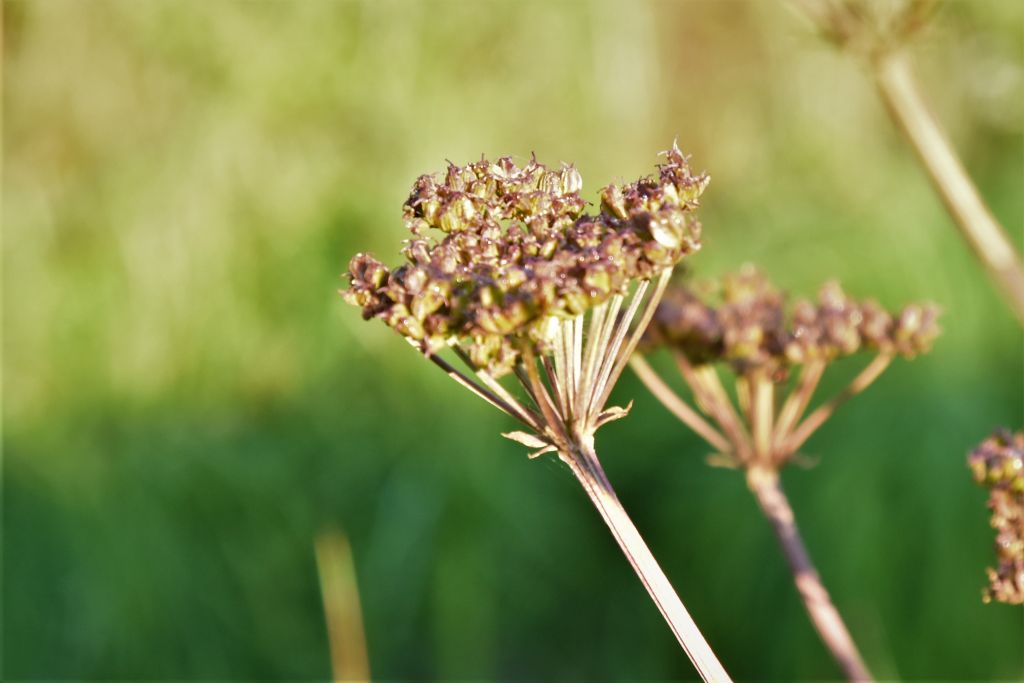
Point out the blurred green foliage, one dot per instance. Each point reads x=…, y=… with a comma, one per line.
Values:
x=187, y=402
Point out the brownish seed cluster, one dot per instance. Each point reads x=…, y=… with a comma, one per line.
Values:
x=744, y=321
x=998, y=465
x=497, y=248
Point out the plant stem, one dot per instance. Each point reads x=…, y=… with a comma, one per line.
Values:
x=797, y=401
x=678, y=406
x=761, y=409
x=721, y=404
x=585, y=465
x=792, y=442
x=483, y=393
x=986, y=236
x=340, y=592
x=766, y=488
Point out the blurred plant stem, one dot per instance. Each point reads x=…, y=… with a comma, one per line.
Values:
x=858, y=28
x=757, y=438
x=764, y=483
x=340, y=592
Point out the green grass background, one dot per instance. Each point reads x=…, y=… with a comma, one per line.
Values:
x=187, y=401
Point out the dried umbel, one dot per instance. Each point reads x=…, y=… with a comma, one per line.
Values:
x=498, y=251
x=744, y=323
x=998, y=465
x=505, y=272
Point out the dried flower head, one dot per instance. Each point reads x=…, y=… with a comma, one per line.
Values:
x=744, y=322
x=503, y=263
x=998, y=465
x=506, y=270
x=498, y=250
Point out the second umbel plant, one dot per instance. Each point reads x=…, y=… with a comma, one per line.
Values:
x=776, y=355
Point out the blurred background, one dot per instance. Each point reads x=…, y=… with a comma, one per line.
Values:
x=187, y=402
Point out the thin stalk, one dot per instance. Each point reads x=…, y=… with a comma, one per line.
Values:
x=638, y=332
x=604, y=370
x=542, y=397
x=346, y=637
x=577, y=360
x=861, y=382
x=983, y=233
x=743, y=396
x=701, y=393
x=677, y=406
x=520, y=412
x=798, y=399
x=566, y=366
x=761, y=410
x=596, y=338
x=764, y=483
x=480, y=391
x=552, y=374
x=602, y=344
x=585, y=465
x=728, y=417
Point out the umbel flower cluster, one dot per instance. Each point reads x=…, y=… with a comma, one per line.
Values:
x=998, y=465
x=745, y=323
x=498, y=250
x=506, y=271
x=750, y=327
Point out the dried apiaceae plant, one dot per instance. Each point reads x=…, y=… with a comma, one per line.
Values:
x=878, y=34
x=998, y=465
x=752, y=332
x=508, y=276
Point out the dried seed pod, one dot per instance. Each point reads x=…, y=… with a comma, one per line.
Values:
x=497, y=249
x=998, y=465
x=747, y=324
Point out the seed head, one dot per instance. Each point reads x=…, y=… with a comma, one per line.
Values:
x=498, y=249
x=745, y=322
x=998, y=465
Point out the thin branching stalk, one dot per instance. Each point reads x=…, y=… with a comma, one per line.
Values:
x=724, y=406
x=762, y=406
x=585, y=465
x=798, y=400
x=764, y=483
x=524, y=414
x=620, y=359
x=601, y=385
x=677, y=406
x=555, y=423
x=483, y=393
x=862, y=381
